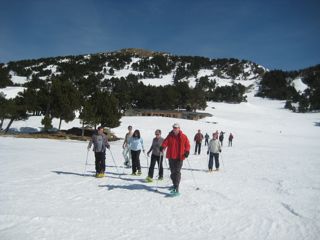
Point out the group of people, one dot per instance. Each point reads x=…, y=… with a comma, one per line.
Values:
x=214, y=146
x=176, y=144
x=199, y=137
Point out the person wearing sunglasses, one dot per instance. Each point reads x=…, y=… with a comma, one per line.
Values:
x=178, y=148
x=156, y=156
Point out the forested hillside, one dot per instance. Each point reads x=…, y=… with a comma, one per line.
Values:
x=101, y=87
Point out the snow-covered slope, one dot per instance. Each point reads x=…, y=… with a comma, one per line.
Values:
x=268, y=186
x=299, y=85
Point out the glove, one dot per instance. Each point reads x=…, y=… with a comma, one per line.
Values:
x=186, y=154
x=220, y=150
x=208, y=152
x=161, y=149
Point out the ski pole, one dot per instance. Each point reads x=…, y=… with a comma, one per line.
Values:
x=85, y=166
x=147, y=159
x=222, y=162
x=194, y=180
x=160, y=163
x=114, y=163
x=126, y=157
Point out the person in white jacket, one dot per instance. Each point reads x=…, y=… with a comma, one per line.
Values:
x=214, y=148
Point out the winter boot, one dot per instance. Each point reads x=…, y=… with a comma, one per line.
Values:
x=175, y=192
x=149, y=179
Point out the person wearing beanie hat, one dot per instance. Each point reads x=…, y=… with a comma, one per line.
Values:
x=178, y=148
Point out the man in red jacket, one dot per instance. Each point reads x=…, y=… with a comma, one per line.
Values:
x=178, y=148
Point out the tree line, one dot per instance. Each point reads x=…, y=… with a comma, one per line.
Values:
x=63, y=87
x=278, y=84
x=103, y=102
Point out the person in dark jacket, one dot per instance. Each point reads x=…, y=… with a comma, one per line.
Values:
x=221, y=137
x=100, y=143
x=230, y=139
x=178, y=148
x=156, y=156
x=206, y=137
x=198, y=140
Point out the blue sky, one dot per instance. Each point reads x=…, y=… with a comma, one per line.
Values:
x=277, y=34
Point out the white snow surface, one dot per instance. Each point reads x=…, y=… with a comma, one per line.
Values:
x=11, y=92
x=17, y=79
x=299, y=85
x=268, y=186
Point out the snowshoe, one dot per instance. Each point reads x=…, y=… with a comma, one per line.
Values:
x=174, y=193
x=100, y=175
x=149, y=179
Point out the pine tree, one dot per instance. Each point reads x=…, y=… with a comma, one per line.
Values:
x=64, y=100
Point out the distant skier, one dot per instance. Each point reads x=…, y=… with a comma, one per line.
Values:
x=214, y=148
x=230, y=139
x=156, y=156
x=198, y=140
x=221, y=137
x=136, y=145
x=100, y=143
x=178, y=148
x=126, y=151
x=206, y=137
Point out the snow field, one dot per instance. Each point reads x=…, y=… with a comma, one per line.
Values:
x=267, y=188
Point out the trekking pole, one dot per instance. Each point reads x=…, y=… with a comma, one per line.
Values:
x=160, y=162
x=208, y=161
x=125, y=154
x=85, y=166
x=114, y=162
x=194, y=180
x=147, y=159
x=222, y=162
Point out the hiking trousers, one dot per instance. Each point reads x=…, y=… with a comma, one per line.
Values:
x=100, y=162
x=156, y=159
x=216, y=160
x=175, y=168
x=135, y=155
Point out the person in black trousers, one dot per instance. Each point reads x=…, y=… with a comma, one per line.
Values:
x=100, y=143
x=156, y=156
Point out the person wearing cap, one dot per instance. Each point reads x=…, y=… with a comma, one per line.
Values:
x=198, y=139
x=156, y=156
x=100, y=143
x=178, y=148
x=214, y=148
x=126, y=151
